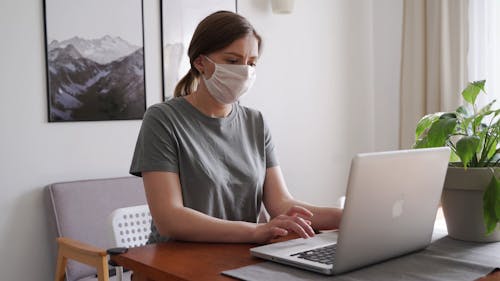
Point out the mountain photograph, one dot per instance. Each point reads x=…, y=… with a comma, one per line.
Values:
x=95, y=65
x=107, y=83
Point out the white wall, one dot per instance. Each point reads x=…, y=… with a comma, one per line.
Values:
x=316, y=86
x=328, y=81
x=387, y=26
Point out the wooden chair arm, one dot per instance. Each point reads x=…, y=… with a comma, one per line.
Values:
x=81, y=252
x=79, y=248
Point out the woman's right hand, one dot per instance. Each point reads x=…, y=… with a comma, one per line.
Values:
x=296, y=220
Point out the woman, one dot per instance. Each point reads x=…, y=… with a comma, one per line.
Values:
x=207, y=162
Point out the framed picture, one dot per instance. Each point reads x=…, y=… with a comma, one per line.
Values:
x=95, y=60
x=179, y=19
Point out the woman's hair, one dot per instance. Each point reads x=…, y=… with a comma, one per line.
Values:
x=213, y=33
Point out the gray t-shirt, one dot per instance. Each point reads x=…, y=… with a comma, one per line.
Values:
x=221, y=162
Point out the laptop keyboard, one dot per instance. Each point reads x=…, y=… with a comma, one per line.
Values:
x=323, y=255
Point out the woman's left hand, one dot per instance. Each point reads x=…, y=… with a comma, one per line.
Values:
x=296, y=220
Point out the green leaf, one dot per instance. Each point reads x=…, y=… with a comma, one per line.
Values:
x=491, y=203
x=479, y=84
x=463, y=111
x=467, y=147
x=470, y=93
x=421, y=143
x=492, y=148
x=425, y=123
x=485, y=110
x=454, y=157
x=440, y=131
x=477, y=123
x=448, y=115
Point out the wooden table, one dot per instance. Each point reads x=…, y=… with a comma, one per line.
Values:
x=194, y=261
x=185, y=261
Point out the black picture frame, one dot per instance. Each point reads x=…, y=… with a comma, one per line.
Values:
x=95, y=60
x=178, y=19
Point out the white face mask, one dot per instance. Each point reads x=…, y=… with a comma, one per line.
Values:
x=229, y=81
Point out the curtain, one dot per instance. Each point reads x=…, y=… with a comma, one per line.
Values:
x=434, y=60
x=484, y=47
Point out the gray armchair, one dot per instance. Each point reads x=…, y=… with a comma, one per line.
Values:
x=79, y=213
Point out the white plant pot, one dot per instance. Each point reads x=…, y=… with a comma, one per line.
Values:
x=462, y=202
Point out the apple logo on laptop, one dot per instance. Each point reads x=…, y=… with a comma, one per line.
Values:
x=397, y=208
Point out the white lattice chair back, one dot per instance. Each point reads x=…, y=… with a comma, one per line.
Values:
x=131, y=226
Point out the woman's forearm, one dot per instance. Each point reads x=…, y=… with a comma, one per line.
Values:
x=278, y=200
x=172, y=219
x=190, y=225
x=323, y=217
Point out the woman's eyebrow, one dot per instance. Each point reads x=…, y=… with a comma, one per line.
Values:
x=238, y=55
x=233, y=53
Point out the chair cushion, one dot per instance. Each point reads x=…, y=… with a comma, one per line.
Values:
x=80, y=211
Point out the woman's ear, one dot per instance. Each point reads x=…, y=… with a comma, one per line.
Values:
x=198, y=63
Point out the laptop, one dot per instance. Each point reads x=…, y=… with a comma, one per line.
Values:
x=391, y=203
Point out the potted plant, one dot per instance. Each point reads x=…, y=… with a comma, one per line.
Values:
x=471, y=194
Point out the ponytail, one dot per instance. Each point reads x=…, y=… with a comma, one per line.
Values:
x=187, y=84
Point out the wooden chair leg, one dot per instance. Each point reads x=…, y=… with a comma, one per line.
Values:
x=60, y=267
x=102, y=271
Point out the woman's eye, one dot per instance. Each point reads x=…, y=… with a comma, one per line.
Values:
x=253, y=64
x=230, y=61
